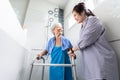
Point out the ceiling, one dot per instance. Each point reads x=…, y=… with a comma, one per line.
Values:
x=60, y=3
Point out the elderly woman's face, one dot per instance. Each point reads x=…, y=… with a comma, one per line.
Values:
x=57, y=30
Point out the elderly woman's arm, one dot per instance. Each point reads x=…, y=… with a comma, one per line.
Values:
x=41, y=54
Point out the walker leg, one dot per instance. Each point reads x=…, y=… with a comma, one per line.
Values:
x=74, y=73
x=74, y=69
x=42, y=78
x=31, y=72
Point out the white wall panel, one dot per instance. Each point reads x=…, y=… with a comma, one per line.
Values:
x=12, y=44
x=12, y=58
x=20, y=8
x=116, y=47
x=36, y=21
x=109, y=12
x=10, y=24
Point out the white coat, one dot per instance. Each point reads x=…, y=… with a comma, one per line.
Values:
x=98, y=60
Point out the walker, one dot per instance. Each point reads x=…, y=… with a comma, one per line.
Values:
x=47, y=64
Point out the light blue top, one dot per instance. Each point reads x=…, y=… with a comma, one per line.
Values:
x=65, y=44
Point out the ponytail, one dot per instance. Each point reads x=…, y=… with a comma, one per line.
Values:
x=80, y=7
x=88, y=12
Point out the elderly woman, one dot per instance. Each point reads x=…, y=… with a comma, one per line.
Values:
x=58, y=47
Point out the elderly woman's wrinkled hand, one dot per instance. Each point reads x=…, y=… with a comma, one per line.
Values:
x=72, y=54
x=39, y=56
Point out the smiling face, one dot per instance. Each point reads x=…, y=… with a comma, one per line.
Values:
x=79, y=17
x=57, y=30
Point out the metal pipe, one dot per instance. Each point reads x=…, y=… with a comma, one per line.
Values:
x=66, y=65
x=74, y=69
x=32, y=64
x=43, y=68
x=31, y=72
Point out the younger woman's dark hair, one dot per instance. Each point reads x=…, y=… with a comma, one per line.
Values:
x=80, y=7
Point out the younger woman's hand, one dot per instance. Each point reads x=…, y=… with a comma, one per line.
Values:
x=75, y=48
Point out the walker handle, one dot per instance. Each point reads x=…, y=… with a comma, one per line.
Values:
x=38, y=58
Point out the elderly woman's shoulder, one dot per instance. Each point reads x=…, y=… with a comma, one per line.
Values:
x=64, y=38
x=51, y=39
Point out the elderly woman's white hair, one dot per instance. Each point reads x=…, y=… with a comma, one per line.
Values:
x=55, y=25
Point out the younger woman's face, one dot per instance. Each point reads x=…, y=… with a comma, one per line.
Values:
x=79, y=17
